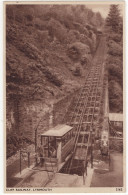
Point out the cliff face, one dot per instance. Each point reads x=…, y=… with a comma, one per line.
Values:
x=48, y=52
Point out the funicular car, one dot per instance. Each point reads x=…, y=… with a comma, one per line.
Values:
x=58, y=144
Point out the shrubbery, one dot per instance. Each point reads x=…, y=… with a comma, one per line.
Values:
x=115, y=37
x=115, y=73
x=53, y=78
x=77, y=72
x=115, y=96
x=56, y=29
x=114, y=49
x=40, y=24
x=116, y=61
x=43, y=38
x=115, y=58
x=72, y=36
x=15, y=142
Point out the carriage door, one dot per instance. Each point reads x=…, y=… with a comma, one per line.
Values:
x=44, y=142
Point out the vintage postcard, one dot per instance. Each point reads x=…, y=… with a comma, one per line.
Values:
x=64, y=102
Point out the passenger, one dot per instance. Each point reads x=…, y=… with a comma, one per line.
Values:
x=52, y=152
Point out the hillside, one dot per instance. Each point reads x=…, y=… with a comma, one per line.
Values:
x=41, y=60
x=48, y=54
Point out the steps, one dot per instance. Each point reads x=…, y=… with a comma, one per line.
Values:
x=85, y=117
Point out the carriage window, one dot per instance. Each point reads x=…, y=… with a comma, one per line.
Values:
x=63, y=141
x=69, y=135
x=74, y=132
x=66, y=138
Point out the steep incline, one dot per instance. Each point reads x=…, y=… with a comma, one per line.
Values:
x=85, y=115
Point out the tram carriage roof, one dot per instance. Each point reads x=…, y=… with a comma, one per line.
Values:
x=58, y=131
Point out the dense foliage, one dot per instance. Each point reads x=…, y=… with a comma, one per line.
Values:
x=16, y=142
x=114, y=31
x=113, y=19
x=38, y=38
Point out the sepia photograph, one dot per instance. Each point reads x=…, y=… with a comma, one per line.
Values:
x=64, y=97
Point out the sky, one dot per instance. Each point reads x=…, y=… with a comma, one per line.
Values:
x=103, y=9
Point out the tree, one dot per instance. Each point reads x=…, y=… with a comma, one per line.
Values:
x=113, y=18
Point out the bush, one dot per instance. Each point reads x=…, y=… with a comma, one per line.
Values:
x=115, y=73
x=115, y=97
x=79, y=28
x=115, y=37
x=29, y=50
x=74, y=53
x=77, y=72
x=42, y=35
x=116, y=61
x=114, y=49
x=90, y=43
x=89, y=27
x=85, y=60
x=15, y=142
x=56, y=29
x=73, y=36
x=53, y=78
x=39, y=24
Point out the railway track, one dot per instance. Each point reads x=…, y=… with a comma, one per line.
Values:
x=84, y=116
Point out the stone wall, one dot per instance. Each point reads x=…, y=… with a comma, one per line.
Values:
x=12, y=116
x=25, y=116
x=34, y=115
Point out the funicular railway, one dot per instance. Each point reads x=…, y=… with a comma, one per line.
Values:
x=84, y=116
x=73, y=143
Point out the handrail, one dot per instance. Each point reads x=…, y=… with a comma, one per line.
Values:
x=85, y=161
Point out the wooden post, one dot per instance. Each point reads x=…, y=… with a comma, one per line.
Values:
x=91, y=151
x=20, y=162
x=35, y=140
x=48, y=148
x=28, y=159
x=83, y=174
x=41, y=140
x=59, y=150
x=36, y=145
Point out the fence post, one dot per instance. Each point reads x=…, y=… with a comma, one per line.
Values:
x=83, y=179
x=20, y=162
x=91, y=151
x=28, y=159
x=83, y=174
